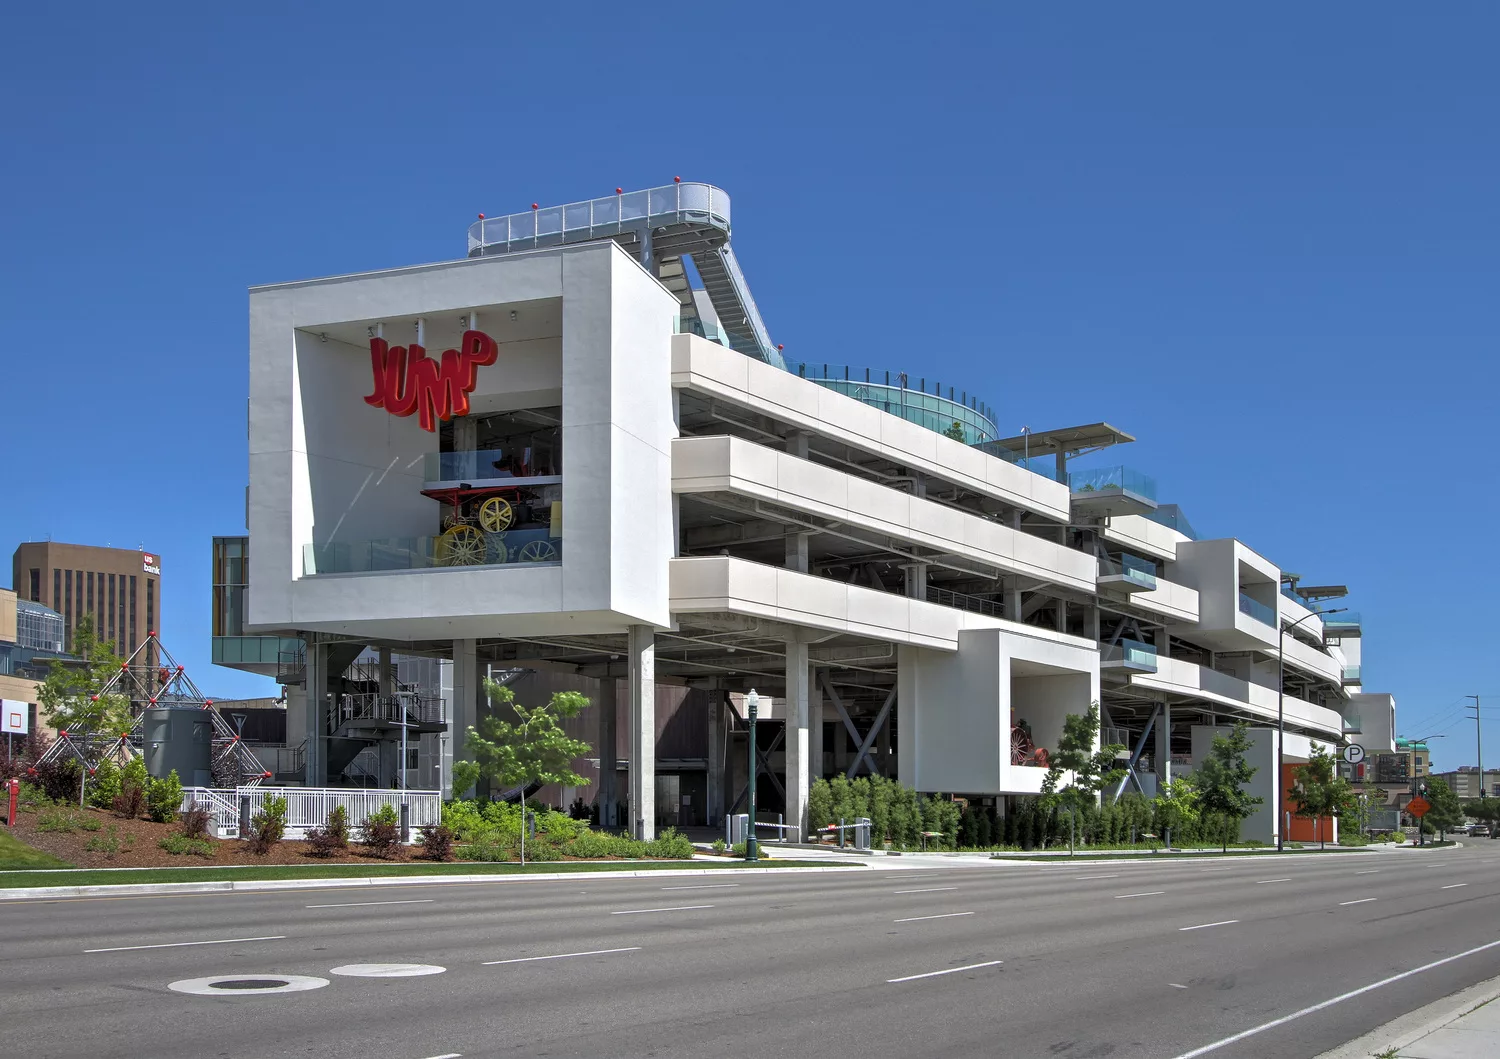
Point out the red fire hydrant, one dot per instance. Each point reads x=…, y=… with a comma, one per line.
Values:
x=14, y=787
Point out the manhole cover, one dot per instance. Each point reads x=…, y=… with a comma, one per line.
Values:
x=387, y=970
x=247, y=985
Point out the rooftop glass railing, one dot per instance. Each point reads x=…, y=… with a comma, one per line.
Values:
x=912, y=399
x=1130, y=653
x=469, y=548
x=1257, y=610
x=478, y=465
x=1171, y=516
x=1351, y=674
x=1124, y=479
x=1344, y=621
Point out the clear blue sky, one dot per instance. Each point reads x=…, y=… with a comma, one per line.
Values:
x=1262, y=240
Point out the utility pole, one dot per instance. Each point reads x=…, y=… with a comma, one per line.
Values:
x=1478, y=744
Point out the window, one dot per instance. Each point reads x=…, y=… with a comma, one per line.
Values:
x=67, y=607
x=111, y=612
x=56, y=589
x=150, y=605
x=90, y=609
x=36, y=585
x=134, y=639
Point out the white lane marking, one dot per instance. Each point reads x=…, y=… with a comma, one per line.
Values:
x=1080, y=878
x=387, y=970
x=1174, y=985
x=448, y=1055
x=182, y=944
x=366, y=904
x=1220, y=923
x=1453, y=886
x=950, y=970
x=1216, y=1045
x=671, y=908
x=925, y=890
x=1368, y=871
x=1262, y=882
x=705, y=886
x=1153, y=893
x=1361, y=901
x=945, y=915
x=1215, y=869
x=560, y=956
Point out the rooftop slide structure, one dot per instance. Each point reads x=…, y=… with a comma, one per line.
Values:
x=663, y=227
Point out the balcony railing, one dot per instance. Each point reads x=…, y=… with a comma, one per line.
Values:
x=1139, y=571
x=1351, y=675
x=957, y=599
x=466, y=549
x=1346, y=623
x=913, y=399
x=1120, y=479
x=1256, y=609
x=1129, y=654
x=1171, y=516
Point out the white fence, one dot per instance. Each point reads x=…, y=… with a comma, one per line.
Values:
x=309, y=806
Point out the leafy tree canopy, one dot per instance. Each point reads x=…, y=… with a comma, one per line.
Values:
x=1222, y=778
x=533, y=748
x=1092, y=770
x=70, y=696
x=1447, y=811
x=1321, y=791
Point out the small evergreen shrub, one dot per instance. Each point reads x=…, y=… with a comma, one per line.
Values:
x=104, y=785
x=164, y=798
x=670, y=845
x=131, y=801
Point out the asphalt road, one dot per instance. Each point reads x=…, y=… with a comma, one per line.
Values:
x=1013, y=960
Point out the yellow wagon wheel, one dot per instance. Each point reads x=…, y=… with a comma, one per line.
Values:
x=498, y=550
x=496, y=514
x=460, y=546
x=537, y=551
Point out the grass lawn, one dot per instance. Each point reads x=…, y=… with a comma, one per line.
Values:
x=16, y=854
x=135, y=876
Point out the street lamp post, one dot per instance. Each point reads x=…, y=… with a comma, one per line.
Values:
x=1281, y=719
x=752, y=849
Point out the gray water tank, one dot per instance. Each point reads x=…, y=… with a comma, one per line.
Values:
x=181, y=739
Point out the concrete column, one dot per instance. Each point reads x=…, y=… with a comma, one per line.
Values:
x=916, y=580
x=1164, y=745
x=814, y=727
x=883, y=746
x=796, y=551
x=1062, y=615
x=387, y=673
x=315, y=773
x=463, y=708
x=609, y=794
x=642, y=653
x=714, y=810
x=797, y=743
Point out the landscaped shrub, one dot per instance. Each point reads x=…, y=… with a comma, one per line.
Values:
x=183, y=844
x=268, y=826
x=108, y=843
x=488, y=852
x=195, y=820
x=437, y=842
x=59, y=820
x=382, y=831
x=59, y=779
x=333, y=836
x=131, y=801
x=104, y=785
x=670, y=845
x=164, y=798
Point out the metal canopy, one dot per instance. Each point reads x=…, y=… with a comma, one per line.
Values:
x=1071, y=441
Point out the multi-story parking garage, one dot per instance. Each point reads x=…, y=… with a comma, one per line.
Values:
x=576, y=459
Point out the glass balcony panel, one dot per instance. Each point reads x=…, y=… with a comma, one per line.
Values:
x=1256, y=609
x=663, y=200
x=1140, y=570
x=606, y=211
x=633, y=206
x=515, y=547
x=1126, y=479
x=1131, y=653
x=577, y=216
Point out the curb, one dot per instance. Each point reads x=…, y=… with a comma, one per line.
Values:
x=37, y=893
x=1414, y=1025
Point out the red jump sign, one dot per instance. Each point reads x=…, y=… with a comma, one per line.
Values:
x=407, y=380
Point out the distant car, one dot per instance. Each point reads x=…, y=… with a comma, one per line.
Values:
x=1480, y=830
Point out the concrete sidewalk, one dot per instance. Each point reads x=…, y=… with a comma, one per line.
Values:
x=1465, y=1025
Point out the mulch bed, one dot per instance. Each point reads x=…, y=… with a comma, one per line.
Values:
x=138, y=846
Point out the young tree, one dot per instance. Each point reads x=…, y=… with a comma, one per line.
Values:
x=1091, y=770
x=1221, y=779
x=1447, y=811
x=1321, y=791
x=956, y=431
x=532, y=749
x=1176, y=808
x=70, y=696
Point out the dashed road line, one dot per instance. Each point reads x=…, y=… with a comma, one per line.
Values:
x=1080, y=878
x=671, y=908
x=1262, y=882
x=367, y=904
x=184, y=944
x=1361, y=901
x=945, y=915
x=560, y=956
x=925, y=890
x=1220, y=923
x=1453, y=886
x=1153, y=893
x=950, y=970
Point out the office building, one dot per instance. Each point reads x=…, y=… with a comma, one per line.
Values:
x=119, y=587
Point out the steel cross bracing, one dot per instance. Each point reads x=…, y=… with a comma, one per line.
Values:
x=151, y=677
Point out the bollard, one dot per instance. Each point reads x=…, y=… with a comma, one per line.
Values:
x=405, y=824
x=244, y=816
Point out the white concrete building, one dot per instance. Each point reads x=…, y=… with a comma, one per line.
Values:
x=601, y=474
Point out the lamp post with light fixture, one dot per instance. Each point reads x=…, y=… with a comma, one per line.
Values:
x=1281, y=719
x=752, y=849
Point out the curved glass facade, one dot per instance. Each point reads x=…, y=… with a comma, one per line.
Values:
x=895, y=392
